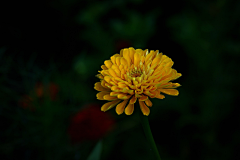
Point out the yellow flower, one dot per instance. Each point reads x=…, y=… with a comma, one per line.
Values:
x=135, y=75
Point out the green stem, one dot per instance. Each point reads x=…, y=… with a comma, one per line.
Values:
x=148, y=134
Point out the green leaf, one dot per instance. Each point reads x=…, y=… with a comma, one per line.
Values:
x=95, y=154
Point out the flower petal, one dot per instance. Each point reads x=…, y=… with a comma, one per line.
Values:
x=177, y=76
x=172, y=92
x=109, y=98
x=133, y=100
x=120, y=107
x=115, y=89
x=121, y=52
x=112, y=72
x=109, y=105
x=105, y=84
x=114, y=94
x=148, y=103
x=149, y=56
x=100, y=95
x=124, y=96
x=170, y=85
x=108, y=63
x=107, y=78
x=104, y=67
x=131, y=54
x=116, y=69
x=118, y=59
x=160, y=96
x=155, y=62
x=129, y=109
x=100, y=76
x=113, y=59
x=124, y=62
x=137, y=58
x=143, y=98
x=126, y=56
x=145, y=110
x=99, y=87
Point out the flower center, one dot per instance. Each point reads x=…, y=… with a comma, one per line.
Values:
x=135, y=72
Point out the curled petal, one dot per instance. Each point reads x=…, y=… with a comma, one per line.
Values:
x=109, y=105
x=145, y=110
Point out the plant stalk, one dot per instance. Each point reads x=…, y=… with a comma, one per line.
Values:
x=148, y=134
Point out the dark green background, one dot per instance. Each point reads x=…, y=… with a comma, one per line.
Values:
x=66, y=41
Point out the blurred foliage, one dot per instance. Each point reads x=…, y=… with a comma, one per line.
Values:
x=65, y=42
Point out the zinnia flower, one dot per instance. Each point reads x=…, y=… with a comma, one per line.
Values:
x=89, y=124
x=135, y=75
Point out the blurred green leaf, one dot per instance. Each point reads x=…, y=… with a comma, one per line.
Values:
x=95, y=155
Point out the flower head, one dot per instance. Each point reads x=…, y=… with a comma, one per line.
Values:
x=89, y=124
x=135, y=75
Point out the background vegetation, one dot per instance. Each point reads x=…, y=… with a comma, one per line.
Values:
x=64, y=42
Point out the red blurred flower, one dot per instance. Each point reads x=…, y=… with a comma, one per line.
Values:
x=90, y=124
x=25, y=102
x=51, y=90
